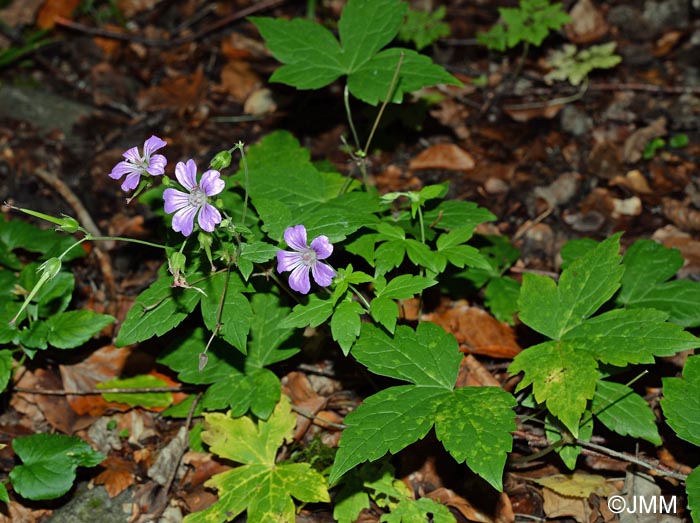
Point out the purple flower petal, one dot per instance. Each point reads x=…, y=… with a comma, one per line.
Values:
x=209, y=217
x=299, y=279
x=322, y=247
x=131, y=181
x=187, y=174
x=286, y=261
x=323, y=274
x=211, y=183
x=175, y=200
x=183, y=220
x=156, y=166
x=152, y=145
x=121, y=169
x=296, y=237
x=132, y=155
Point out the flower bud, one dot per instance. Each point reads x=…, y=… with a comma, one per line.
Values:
x=220, y=161
x=50, y=268
x=69, y=225
x=176, y=262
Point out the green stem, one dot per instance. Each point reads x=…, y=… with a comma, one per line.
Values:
x=123, y=239
x=239, y=146
x=385, y=103
x=360, y=297
x=348, y=112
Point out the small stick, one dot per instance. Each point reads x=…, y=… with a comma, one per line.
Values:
x=116, y=35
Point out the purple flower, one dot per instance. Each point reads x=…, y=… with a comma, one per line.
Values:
x=188, y=205
x=134, y=165
x=304, y=258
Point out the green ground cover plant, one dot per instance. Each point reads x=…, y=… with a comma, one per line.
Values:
x=252, y=258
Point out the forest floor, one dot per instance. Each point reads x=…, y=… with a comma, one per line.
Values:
x=554, y=162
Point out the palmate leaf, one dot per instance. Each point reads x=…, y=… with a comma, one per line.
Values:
x=473, y=424
x=313, y=57
x=259, y=485
x=692, y=488
x=564, y=372
x=287, y=189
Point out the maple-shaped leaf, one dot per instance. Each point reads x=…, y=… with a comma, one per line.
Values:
x=564, y=372
x=313, y=57
x=473, y=424
x=262, y=487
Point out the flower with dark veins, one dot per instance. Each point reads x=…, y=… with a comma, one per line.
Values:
x=136, y=165
x=187, y=206
x=305, y=258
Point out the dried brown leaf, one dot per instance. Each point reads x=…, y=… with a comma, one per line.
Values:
x=476, y=330
x=443, y=156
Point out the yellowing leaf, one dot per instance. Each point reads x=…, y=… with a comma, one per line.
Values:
x=577, y=485
x=260, y=486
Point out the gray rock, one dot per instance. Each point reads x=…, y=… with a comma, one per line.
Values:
x=575, y=121
x=667, y=14
x=630, y=22
x=93, y=505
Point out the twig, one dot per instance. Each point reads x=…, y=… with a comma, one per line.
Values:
x=321, y=421
x=663, y=89
x=631, y=459
x=128, y=37
x=140, y=390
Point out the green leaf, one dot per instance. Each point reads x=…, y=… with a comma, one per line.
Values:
x=236, y=313
x=389, y=255
x=370, y=82
x=360, y=39
x=385, y=312
x=474, y=425
x=501, y=297
x=313, y=58
x=429, y=356
x=418, y=510
x=623, y=411
x=310, y=50
x=183, y=357
x=421, y=255
x=258, y=252
x=561, y=377
x=268, y=333
x=345, y=324
x=141, y=399
x=71, y=329
x=258, y=390
x=49, y=462
x=312, y=314
x=624, y=336
x=350, y=500
x=4, y=496
x=681, y=401
x=5, y=368
x=386, y=422
x=260, y=485
x=405, y=286
x=157, y=310
x=452, y=214
x=424, y=28
x=647, y=267
x=287, y=189
x=692, y=488
x=583, y=287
